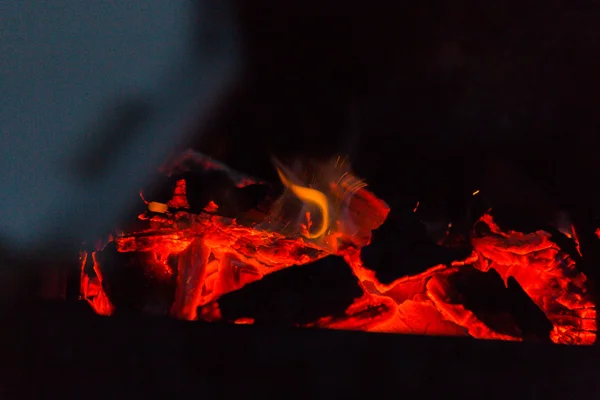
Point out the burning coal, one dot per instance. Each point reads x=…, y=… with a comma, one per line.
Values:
x=233, y=254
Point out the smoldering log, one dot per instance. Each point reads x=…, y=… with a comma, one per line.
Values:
x=505, y=309
x=402, y=247
x=208, y=180
x=191, y=270
x=295, y=296
x=531, y=319
x=132, y=283
x=549, y=276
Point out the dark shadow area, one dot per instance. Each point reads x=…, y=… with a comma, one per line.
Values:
x=66, y=351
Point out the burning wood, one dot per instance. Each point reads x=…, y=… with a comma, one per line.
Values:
x=212, y=266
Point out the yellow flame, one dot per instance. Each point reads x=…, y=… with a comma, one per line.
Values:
x=308, y=195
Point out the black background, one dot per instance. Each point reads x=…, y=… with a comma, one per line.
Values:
x=429, y=99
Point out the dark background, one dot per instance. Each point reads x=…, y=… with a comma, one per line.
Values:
x=429, y=99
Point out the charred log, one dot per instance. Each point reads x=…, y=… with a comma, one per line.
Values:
x=402, y=247
x=505, y=309
x=295, y=296
x=206, y=186
x=133, y=283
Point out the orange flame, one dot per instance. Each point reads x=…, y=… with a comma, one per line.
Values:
x=312, y=196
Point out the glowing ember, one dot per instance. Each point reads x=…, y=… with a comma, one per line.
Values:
x=548, y=276
x=214, y=255
x=157, y=207
x=91, y=287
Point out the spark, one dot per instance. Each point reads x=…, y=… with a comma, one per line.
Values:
x=416, y=206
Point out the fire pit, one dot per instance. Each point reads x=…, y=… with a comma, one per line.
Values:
x=211, y=244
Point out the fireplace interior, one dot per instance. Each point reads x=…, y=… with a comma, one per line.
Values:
x=384, y=186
